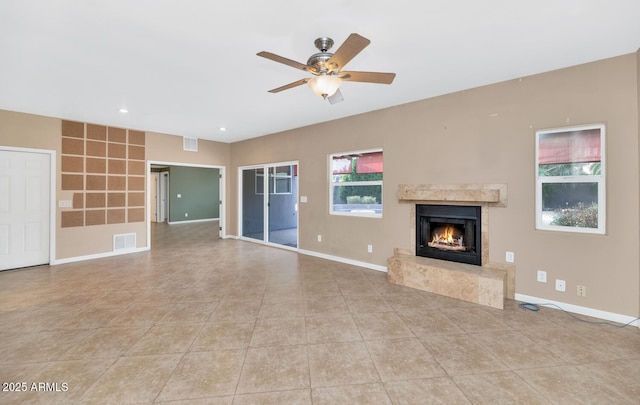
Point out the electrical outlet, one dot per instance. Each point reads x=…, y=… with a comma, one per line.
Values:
x=542, y=276
x=319, y=238
x=510, y=257
x=186, y=214
x=370, y=248
x=561, y=285
x=582, y=291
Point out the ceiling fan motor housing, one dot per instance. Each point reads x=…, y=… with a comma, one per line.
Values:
x=318, y=61
x=323, y=44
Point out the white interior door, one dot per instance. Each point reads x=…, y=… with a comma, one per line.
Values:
x=25, y=184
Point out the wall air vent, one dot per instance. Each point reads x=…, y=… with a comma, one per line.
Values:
x=124, y=241
x=190, y=144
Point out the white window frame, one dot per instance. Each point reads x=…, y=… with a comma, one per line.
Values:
x=333, y=184
x=281, y=176
x=273, y=182
x=259, y=182
x=599, y=179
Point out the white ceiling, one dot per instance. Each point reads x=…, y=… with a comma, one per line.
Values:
x=189, y=67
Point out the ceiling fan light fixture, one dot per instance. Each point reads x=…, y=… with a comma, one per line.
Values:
x=325, y=85
x=326, y=68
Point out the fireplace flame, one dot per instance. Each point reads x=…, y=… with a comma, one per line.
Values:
x=444, y=239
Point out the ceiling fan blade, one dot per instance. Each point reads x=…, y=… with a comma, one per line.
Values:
x=290, y=85
x=336, y=97
x=280, y=59
x=368, y=77
x=351, y=47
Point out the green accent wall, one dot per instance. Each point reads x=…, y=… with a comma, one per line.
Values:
x=199, y=190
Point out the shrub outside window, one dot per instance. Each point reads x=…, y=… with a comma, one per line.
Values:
x=356, y=183
x=570, y=179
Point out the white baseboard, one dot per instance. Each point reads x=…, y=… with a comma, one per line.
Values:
x=97, y=256
x=317, y=254
x=576, y=309
x=343, y=260
x=261, y=242
x=191, y=221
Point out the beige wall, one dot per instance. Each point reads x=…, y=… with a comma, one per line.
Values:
x=484, y=135
x=168, y=148
x=37, y=132
x=30, y=131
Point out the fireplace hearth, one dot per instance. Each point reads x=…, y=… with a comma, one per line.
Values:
x=449, y=232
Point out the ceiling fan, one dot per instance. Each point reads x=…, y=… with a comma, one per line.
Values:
x=327, y=68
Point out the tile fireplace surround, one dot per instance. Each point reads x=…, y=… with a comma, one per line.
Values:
x=488, y=284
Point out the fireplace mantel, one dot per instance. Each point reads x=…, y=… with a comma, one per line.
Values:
x=483, y=194
x=494, y=195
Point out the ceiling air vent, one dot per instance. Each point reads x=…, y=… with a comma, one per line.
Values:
x=190, y=144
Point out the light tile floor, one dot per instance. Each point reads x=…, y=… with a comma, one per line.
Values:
x=200, y=320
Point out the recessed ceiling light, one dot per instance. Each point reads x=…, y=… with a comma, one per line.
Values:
x=123, y=110
x=222, y=129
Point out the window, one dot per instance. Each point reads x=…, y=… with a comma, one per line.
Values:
x=259, y=181
x=279, y=180
x=570, y=179
x=356, y=183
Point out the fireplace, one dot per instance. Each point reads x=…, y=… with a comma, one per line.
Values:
x=480, y=281
x=449, y=232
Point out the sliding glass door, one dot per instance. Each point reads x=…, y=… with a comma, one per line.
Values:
x=269, y=209
x=253, y=203
x=283, y=205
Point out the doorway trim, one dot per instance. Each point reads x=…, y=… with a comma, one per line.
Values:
x=222, y=187
x=163, y=192
x=53, y=194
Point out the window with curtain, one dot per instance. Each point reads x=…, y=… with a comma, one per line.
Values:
x=570, y=179
x=356, y=183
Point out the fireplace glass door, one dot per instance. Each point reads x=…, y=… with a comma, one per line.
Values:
x=449, y=232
